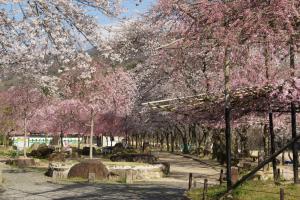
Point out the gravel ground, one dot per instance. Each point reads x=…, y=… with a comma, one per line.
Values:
x=33, y=185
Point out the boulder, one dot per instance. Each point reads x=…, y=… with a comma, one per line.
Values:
x=85, y=167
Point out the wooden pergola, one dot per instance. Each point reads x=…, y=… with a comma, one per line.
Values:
x=258, y=100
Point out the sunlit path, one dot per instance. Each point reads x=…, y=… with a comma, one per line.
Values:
x=180, y=167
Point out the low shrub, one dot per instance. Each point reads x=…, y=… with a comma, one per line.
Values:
x=86, y=151
x=43, y=151
x=125, y=157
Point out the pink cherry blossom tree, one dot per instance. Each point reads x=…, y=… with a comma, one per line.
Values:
x=25, y=100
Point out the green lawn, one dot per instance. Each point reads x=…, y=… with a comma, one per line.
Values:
x=252, y=190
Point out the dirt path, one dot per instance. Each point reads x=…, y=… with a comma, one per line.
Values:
x=180, y=167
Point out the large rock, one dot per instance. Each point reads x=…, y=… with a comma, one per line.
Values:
x=82, y=170
x=144, y=158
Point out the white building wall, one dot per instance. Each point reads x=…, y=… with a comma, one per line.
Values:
x=106, y=140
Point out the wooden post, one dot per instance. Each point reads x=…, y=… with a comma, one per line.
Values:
x=221, y=176
x=190, y=181
x=234, y=175
x=272, y=138
x=278, y=175
x=205, y=186
x=295, y=150
x=228, y=147
x=281, y=194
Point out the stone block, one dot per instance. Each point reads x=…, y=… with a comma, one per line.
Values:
x=92, y=177
x=129, y=176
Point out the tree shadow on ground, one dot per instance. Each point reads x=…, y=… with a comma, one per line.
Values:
x=107, y=191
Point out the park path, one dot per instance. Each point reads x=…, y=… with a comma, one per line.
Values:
x=180, y=167
x=28, y=184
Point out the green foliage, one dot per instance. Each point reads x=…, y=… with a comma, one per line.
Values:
x=9, y=153
x=213, y=193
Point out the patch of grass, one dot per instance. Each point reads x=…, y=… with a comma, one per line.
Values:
x=251, y=190
x=213, y=193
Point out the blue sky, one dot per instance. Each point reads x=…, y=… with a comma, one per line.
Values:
x=132, y=10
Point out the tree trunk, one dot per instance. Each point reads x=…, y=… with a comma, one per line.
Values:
x=78, y=141
x=294, y=147
x=98, y=138
x=157, y=140
x=136, y=141
x=61, y=140
x=227, y=115
x=185, y=145
x=266, y=142
x=25, y=136
x=193, y=134
x=203, y=140
x=272, y=139
x=92, y=134
x=167, y=141
x=236, y=145
x=161, y=142
x=106, y=140
x=126, y=137
x=172, y=141
x=5, y=140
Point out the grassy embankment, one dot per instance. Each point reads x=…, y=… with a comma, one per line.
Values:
x=251, y=190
